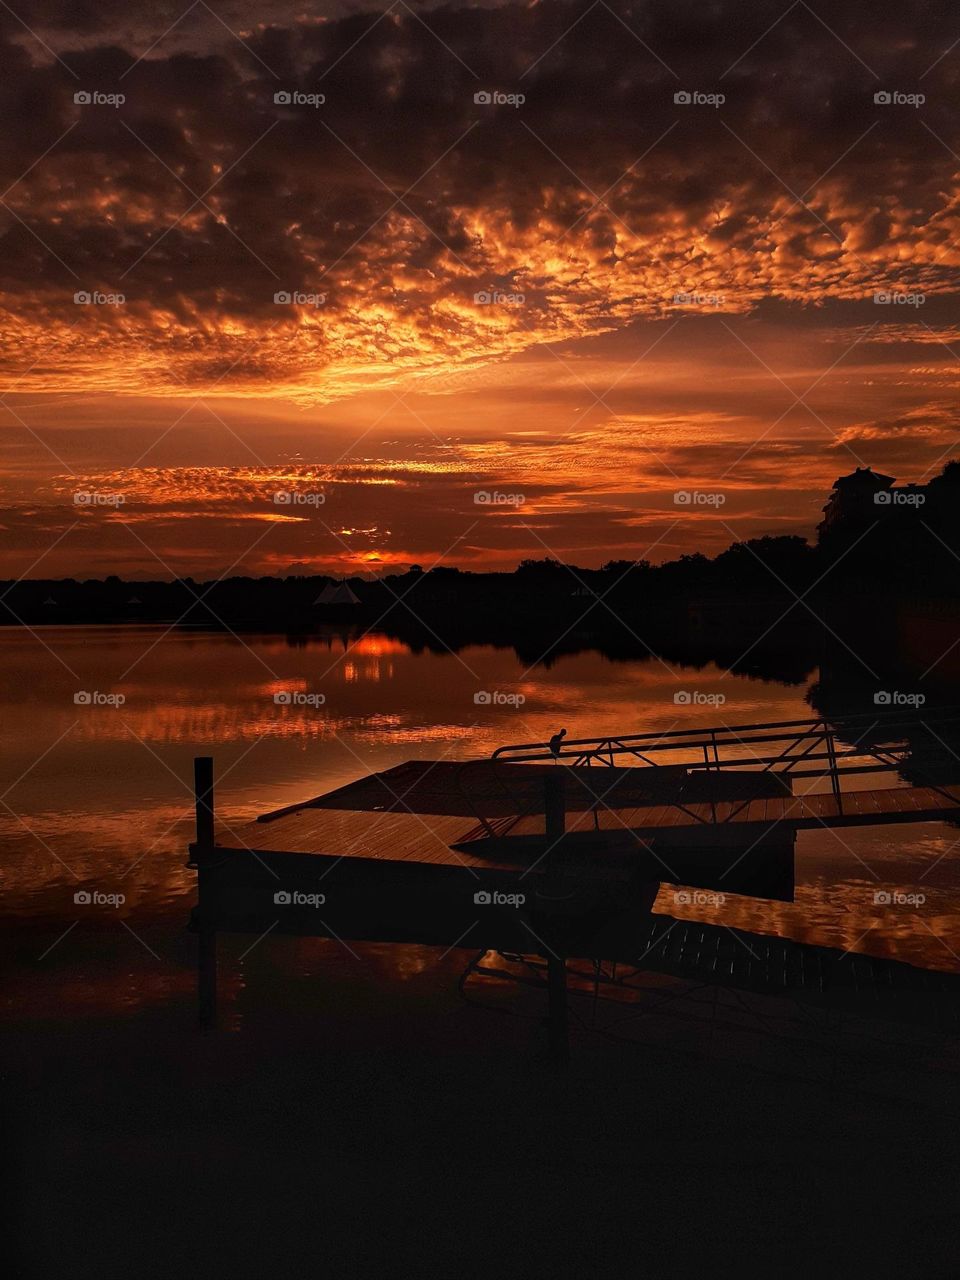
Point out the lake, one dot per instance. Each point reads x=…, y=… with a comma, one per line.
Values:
x=99, y=728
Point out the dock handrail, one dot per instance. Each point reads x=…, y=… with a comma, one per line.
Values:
x=708, y=737
x=824, y=743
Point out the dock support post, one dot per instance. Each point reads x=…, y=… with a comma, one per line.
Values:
x=555, y=823
x=203, y=792
x=207, y=978
x=557, y=1019
x=554, y=808
x=207, y=937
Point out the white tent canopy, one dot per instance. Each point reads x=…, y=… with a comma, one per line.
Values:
x=336, y=593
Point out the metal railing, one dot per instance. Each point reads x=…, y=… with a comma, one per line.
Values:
x=790, y=749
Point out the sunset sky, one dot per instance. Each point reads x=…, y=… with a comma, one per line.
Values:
x=584, y=394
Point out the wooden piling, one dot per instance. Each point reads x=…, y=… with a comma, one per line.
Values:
x=207, y=935
x=203, y=790
x=207, y=978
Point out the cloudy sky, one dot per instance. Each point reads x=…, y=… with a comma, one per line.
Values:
x=576, y=259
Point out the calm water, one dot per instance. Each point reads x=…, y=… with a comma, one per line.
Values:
x=98, y=796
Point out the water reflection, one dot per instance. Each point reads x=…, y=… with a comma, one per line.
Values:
x=101, y=794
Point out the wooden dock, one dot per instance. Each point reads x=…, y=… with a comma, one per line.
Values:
x=547, y=853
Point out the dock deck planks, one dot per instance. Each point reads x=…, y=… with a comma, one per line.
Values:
x=434, y=811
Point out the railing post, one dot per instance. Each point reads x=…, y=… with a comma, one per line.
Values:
x=834, y=773
x=554, y=806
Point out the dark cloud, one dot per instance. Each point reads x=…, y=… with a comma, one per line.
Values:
x=400, y=198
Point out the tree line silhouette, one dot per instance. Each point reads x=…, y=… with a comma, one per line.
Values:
x=877, y=541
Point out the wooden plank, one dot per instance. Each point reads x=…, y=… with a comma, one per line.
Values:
x=815, y=806
x=658, y=815
x=892, y=800
x=375, y=820
x=868, y=802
